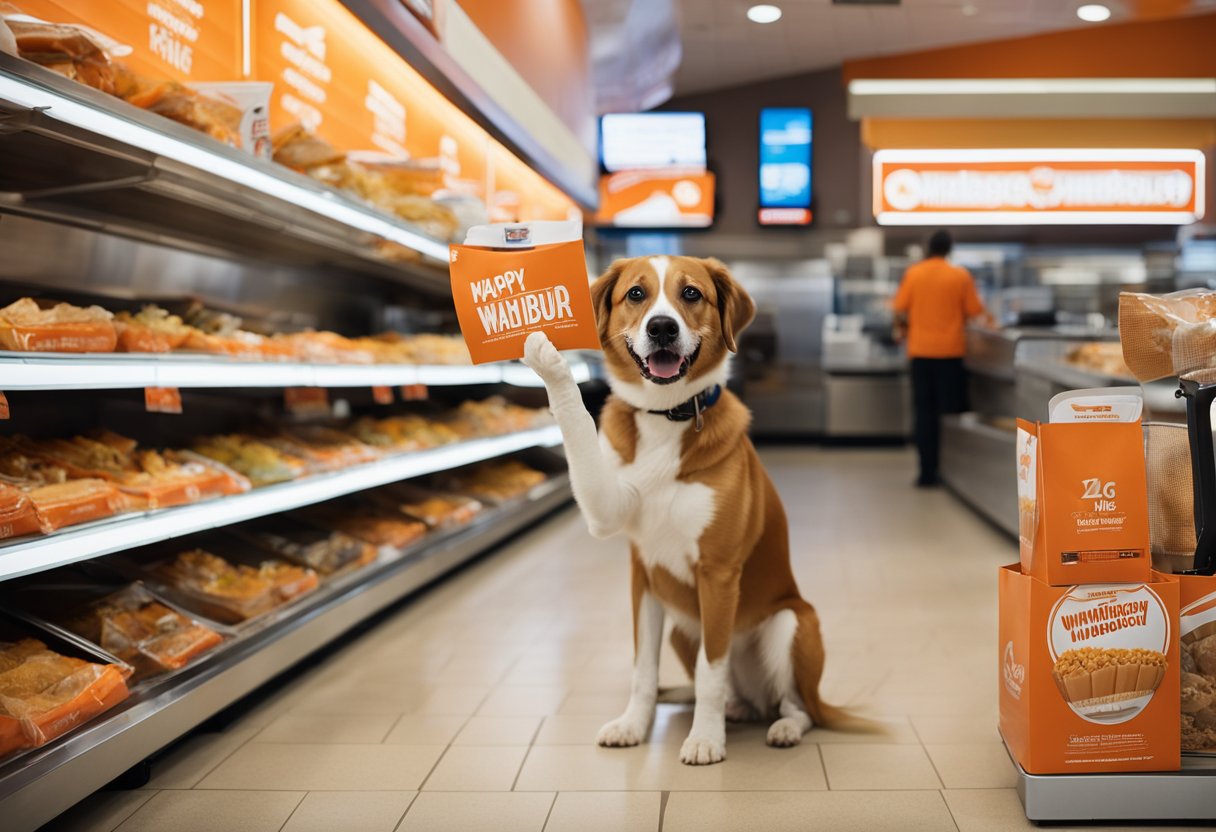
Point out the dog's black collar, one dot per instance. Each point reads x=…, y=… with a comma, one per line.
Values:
x=693, y=408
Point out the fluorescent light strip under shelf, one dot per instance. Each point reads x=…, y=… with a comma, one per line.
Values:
x=64, y=109
x=98, y=373
x=1032, y=86
x=131, y=530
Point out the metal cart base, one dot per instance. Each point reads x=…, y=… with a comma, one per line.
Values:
x=1189, y=794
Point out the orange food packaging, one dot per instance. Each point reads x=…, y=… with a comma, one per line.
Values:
x=1089, y=675
x=75, y=501
x=510, y=280
x=26, y=327
x=1082, y=491
x=17, y=514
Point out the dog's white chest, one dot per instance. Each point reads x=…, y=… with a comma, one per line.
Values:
x=672, y=515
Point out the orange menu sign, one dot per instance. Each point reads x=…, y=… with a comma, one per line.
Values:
x=657, y=199
x=182, y=40
x=336, y=77
x=1018, y=187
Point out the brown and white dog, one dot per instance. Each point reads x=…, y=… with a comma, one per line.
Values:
x=674, y=469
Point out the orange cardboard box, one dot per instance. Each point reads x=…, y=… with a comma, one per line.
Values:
x=510, y=280
x=1089, y=674
x=1083, y=502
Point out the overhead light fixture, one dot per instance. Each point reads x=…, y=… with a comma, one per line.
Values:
x=970, y=10
x=1093, y=12
x=764, y=13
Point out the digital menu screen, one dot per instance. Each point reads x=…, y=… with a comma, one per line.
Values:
x=647, y=141
x=785, y=166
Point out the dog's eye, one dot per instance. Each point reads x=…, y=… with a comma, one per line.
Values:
x=691, y=293
x=636, y=294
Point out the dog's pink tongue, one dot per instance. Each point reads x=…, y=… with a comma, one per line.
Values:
x=664, y=364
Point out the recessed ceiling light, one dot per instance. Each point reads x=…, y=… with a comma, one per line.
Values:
x=1093, y=12
x=764, y=13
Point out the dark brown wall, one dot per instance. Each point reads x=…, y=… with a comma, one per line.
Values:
x=732, y=119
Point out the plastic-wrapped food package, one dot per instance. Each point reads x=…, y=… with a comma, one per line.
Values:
x=494, y=416
x=218, y=119
x=233, y=592
x=296, y=147
x=322, y=448
x=72, y=51
x=326, y=348
x=369, y=523
x=497, y=481
x=152, y=329
x=57, y=499
x=1168, y=335
x=134, y=626
x=436, y=509
x=403, y=433
x=44, y=695
x=253, y=458
x=325, y=551
x=17, y=513
x=26, y=327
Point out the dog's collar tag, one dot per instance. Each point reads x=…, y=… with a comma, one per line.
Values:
x=694, y=408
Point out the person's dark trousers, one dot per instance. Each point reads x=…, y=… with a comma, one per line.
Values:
x=939, y=386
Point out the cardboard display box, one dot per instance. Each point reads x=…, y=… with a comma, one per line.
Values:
x=1089, y=675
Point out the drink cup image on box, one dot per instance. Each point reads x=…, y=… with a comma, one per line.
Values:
x=1109, y=644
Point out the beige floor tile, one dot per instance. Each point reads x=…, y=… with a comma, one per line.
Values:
x=800, y=811
x=349, y=812
x=101, y=812
x=955, y=728
x=973, y=765
x=328, y=728
x=606, y=705
x=466, y=812
x=749, y=766
x=325, y=767
x=568, y=730
x=523, y=700
x=875, y=766
x=200, y=811
x=425, y=729
x=885, y=730
x=191, y=761
x=468, y=768
x=498, y=730
x=605, y=812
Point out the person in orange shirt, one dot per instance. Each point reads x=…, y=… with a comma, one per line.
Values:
x=934, y=303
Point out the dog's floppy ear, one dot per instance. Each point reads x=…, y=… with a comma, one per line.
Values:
x=735, y=306
x=601, y=296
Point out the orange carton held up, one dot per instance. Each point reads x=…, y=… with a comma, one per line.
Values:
x=512, y=279
x=1082, y=492
x=1089, y=674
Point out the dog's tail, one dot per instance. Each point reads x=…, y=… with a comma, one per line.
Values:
x=808, y=657
x=824, y=715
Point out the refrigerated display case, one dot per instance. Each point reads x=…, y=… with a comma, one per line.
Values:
x=104, y=203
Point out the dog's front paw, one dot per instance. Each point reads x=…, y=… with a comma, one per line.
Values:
x=702, y=751
x=784, y=733
x=622, y=732
x=543, y=357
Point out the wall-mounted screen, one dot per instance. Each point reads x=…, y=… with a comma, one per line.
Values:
x=785, y=166
x=647, y=141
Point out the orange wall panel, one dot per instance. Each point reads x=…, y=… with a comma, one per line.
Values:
x=950, y=133
x=1173, y=48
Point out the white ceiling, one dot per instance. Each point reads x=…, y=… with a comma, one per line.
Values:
x=722, y=48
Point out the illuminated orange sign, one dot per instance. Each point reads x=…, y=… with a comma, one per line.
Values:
x=1034, y=187
x=182, y=40
x=657, y=199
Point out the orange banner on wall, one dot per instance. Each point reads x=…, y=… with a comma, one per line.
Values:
x=1025, y=187
x=657, y=199
x=181, y=40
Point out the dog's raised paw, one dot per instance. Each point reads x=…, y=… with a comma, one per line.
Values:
x=620, y=733
x=702, y=751
x=784, y=733
x=543, y=357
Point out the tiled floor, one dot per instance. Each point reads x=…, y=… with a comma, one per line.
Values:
x=475, y=706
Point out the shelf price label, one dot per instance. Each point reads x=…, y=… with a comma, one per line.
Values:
x=4, y=411
x=414, y=392
x=162, y=400
x=382, y=395
x=306, y=401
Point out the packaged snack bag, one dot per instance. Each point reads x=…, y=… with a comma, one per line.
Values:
x=1197, y=633
x=1082, y=495
x=512, y=279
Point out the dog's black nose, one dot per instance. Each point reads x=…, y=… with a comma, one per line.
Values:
x=663, y=330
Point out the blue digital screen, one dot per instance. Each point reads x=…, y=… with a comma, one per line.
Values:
x=785, y=157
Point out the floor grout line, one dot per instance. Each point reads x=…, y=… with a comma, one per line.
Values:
x=664, y=797
x=549, y=814
x=294, y=809
x=408, y=806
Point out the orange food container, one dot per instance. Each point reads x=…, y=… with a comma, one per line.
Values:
x=17, y=514
x=61, y=337
x=75, y=501
x=133, y=337
x=1089, y=675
